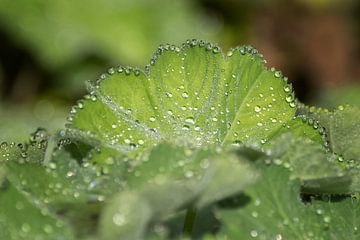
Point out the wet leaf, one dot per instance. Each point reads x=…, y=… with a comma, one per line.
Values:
x=192, y=96
x=277, y=212
x=171, y=179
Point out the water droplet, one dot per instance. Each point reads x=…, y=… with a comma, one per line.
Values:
x=278, y=161
x=242, y=51
x=128, y=70
x=216, y=49
x=319, y=211
x=119, y=219
x=25, y=227
x=257, y=109
x=24, y=154
x=214, y=119
x=278, y=237
x=277, y=74
x=186, y=127
x=327, y=219
x=289, y=98
x=3, y=145
x=152, y=119
x=230, y=53
x=48, y=228
x=193, y=42
x=287, y=88
x=120, y=69
x=190, y=120
x=168, y=94
x=52, y=165
x=292, y=104
x=254, y=233
x=111, y=71
x=70, y=174
x=185, y=95
x=189, y=174
x=205, y=163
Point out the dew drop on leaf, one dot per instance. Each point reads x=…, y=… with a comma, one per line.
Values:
x=189, y=174
x=205, y=163
x=25, y=227
x=277, y=74
x=185, y=95
x=327, y=219
x=253, y=233
x=119, y=219
x=190, y=120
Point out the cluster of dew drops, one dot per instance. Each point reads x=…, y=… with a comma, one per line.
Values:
x=38, y=139
x=290, y=99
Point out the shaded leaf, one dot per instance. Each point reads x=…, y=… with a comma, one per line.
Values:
x=171, y=179
x=22, y=217
x=277, y=212
x=342, y=129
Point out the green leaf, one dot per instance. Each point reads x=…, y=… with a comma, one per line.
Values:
x=59, y=180
x=22, y=217
x=52, y=178
x=275, y=211
x=342, y=136
x=126, y=217
x=170, y=179
x=343, y=217
x=191, y=95
x=319, y=170
x=342, y=129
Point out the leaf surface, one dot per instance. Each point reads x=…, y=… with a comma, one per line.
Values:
x=22, y=217
x=171, y=179
x=191, y=95
x=277, y=212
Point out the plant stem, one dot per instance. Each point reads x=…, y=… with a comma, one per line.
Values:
x=189, y=221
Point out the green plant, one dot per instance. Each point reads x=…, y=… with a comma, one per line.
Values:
x=200, y=144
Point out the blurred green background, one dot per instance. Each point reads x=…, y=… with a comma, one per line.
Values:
x=48, y=49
